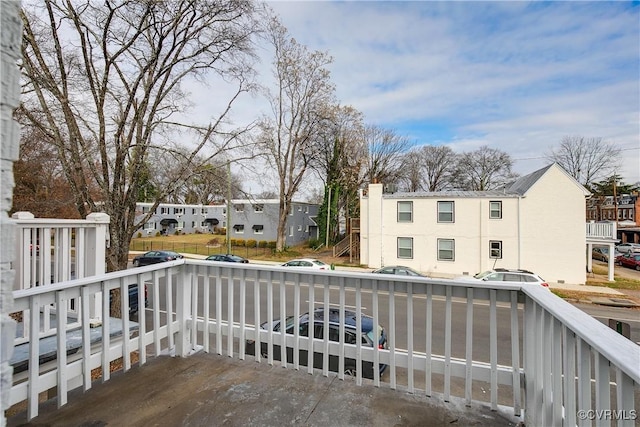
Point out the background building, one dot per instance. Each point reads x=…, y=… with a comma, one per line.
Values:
x=465, y=232
x=248, y=219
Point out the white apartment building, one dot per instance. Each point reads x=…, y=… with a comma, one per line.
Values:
x=537, y=224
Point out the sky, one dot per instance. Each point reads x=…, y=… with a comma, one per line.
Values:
x=515, y=76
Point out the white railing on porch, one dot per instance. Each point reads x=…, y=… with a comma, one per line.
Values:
x=50, y=250
x=601, y=230
x=540, y=358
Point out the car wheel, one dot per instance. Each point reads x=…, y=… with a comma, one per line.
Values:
x=638, y=267
x=136, y=263
x=350, y=371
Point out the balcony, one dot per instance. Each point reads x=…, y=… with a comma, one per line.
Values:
x=516, y=353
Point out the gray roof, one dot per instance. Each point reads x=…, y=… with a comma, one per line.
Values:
x=524, y=183
x=516, y=189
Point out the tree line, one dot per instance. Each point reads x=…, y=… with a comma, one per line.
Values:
x=108, y=122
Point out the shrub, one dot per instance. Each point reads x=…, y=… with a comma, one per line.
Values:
x=139, y=235
x=214, y=242
x=262, y=243
x=271, y=244
x=314, y=243
x=251, y=243
x=240, y=242
x=158, y=234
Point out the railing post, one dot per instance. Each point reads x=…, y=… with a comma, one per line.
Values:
x=183, y=311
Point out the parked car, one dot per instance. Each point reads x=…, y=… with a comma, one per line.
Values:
x=154, y=257
x=316, y=323
x=399, y=270
x=227, y=258
x=507, y=275
x=315, y=264
x=624, y=248
x=601, y=253
x=631, y=260
x=133, y=298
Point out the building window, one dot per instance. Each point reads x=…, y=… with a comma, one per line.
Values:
x=258, y=208
x=291, y=230
x=193, y=211
x=145, y=209
x=180, y=225
x=203, y=224
x=178, y=211
x=239, y=228
x=193, y=224
x=495, y=249
x=164, y=211
x=405, y=247
x=258, y=229
x=291, y=209
x=446, y=249
x=239, y=207
x=445, y=212
x=306, y=209
x=405, y=211
x=300, y=228
x=495, y=210
x=150, y=226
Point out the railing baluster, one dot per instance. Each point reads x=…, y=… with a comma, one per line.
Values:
x=256, y=314
x=61, y=338
x=124, y=309
x=584, y=380
x=243, y=313
x=547, y=380
x=447, y=346
x=311, y=323
x=625, y=399
x=34, y=358
x=193, y=306
x=106, y=325
x=218, y=314
x=206, y=308
x=230, y=314
x=515, y=355
x=341, y=331
x=569, y=369
x=142, y=322
x=325, y=328
x=391, y=336
x=156, y=313
x=283, y=320
x=557, y=372
x=86, y=339
x=170, y=331
x=376, y=321
x=410, y=367
x=358, y=332
x=469, y=349
x=428, y=340
x=603, y=390
x=270, y=317
x=493, y=345
x=296, y=323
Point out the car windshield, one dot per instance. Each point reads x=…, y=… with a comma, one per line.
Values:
x=235, y=257
x=318, y=262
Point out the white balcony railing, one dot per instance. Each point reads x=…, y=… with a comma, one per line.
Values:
x=601, y=230
x=538, y=357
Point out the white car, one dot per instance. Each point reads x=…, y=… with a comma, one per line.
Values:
x=506, y=275
x=626, y=248
x=314, y=264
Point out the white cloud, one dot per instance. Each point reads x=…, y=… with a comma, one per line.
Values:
x=512, y=75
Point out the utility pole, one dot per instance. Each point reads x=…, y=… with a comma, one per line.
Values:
x=615, y=199
x=326, y=231
x=229, y=207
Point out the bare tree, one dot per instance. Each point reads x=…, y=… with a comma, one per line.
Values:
x=438, y=162
x=412, y=170
x=302, y=90
x=586, y=159
x=483, y=169
x=385, y=153
x=339, y=158
x=104, y=83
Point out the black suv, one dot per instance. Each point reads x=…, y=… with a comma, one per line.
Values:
x=350, y=337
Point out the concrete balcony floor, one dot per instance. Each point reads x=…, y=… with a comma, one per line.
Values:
x=208, y=390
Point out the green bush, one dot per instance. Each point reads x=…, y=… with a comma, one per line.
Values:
x=139, y=235
x=314, y=243
x=158, y=234
x=240, y=242
x=262, y=244
x=251, y=243
x=271, y=244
